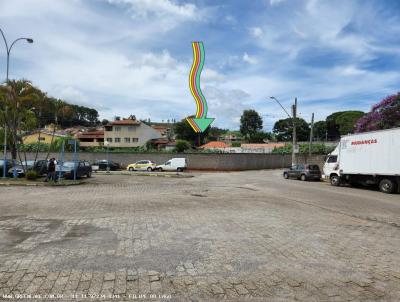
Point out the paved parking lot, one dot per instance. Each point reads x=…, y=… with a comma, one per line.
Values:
x=218, y=235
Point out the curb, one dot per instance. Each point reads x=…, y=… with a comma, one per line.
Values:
x=8, y=184
x=154, y=174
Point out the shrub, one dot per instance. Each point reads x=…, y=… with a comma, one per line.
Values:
x=303, y=149
x=31, y=175
x=182, y=146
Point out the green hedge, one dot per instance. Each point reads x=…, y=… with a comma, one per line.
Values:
x=304, y=149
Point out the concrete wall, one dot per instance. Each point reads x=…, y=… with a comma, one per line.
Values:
x=207, y=161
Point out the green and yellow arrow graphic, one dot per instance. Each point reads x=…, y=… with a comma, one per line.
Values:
x=200, y=121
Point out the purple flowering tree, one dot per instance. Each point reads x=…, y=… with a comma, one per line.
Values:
x=384, y=115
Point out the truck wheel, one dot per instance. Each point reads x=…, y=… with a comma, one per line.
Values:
x=285, y=176
x=179, y=169
x=303, y=177
x=335, y=180
x=89, y=174
x=387, y=186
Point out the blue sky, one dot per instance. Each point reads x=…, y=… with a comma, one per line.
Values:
x=127, y=57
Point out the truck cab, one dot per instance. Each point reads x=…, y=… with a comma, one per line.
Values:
x=331, y=167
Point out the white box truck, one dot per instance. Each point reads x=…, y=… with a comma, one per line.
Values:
x=369, y=158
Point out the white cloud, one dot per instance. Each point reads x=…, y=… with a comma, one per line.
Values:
x=256, y=31
x=160, y=8
x=249, y=59
x=275, y=2
x=166, y=12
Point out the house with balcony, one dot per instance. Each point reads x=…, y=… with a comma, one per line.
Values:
x=128, y=133
x=91, y=138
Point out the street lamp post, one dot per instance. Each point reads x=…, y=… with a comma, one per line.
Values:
x=293, y=118
x=8, y=49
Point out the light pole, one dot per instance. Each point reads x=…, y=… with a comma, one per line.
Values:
x=293, y=118
x=29, y=40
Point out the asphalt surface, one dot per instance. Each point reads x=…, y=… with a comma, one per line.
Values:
x=244, y=235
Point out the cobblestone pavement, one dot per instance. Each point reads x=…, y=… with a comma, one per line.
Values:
x=240, y=236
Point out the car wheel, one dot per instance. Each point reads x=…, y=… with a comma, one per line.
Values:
x=149, y=169
x=387, y=186
x=303, y=177
x=131, y=169
x=285, y=176
x=179, y=170
x=160, y=169
x=335, y=180
x=89, y=174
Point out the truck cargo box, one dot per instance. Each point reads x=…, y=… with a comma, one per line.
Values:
x=371, y=153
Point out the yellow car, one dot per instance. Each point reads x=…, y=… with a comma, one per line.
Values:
x=142, y=165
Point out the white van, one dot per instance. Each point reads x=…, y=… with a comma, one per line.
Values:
x=174, y=164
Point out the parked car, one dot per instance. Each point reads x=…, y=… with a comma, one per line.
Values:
x=104, y=164
x=39, y=166
x=174, y=164
x=83, y=168
x=303, y=172
x=142, y=165
x=8, y=164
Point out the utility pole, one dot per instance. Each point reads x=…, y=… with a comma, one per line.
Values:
x=311, y=134
x=8, y=48
x=5, y=145
x=294, y=148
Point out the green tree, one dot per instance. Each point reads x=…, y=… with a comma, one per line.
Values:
x=341, y=123
x=184, y=131
x=214, y=133
x=250, y=124
x=182, y=146
x=319, y=130
x=16, y=98
x=283, y=130
x=260, y=137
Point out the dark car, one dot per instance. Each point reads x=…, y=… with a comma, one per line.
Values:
x=105, y=164
x=83, y=168
x=303, y=172
x=8, y=165
x=39, y=166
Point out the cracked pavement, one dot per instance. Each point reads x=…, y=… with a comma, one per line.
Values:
x=242, y=235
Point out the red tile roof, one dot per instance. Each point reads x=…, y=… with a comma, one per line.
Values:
x=91, y=134
x=213, y=145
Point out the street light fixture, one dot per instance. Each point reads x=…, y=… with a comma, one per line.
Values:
x=29, y=40
x=293, y=118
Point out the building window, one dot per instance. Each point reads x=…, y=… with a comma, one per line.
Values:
x=131, y=128
x=117, y=140
x=117, y=128
x=127, y=139
x=135, y=139
x=109, y=139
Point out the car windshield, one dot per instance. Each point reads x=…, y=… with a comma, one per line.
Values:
x=69, y=164
x=27, y=163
